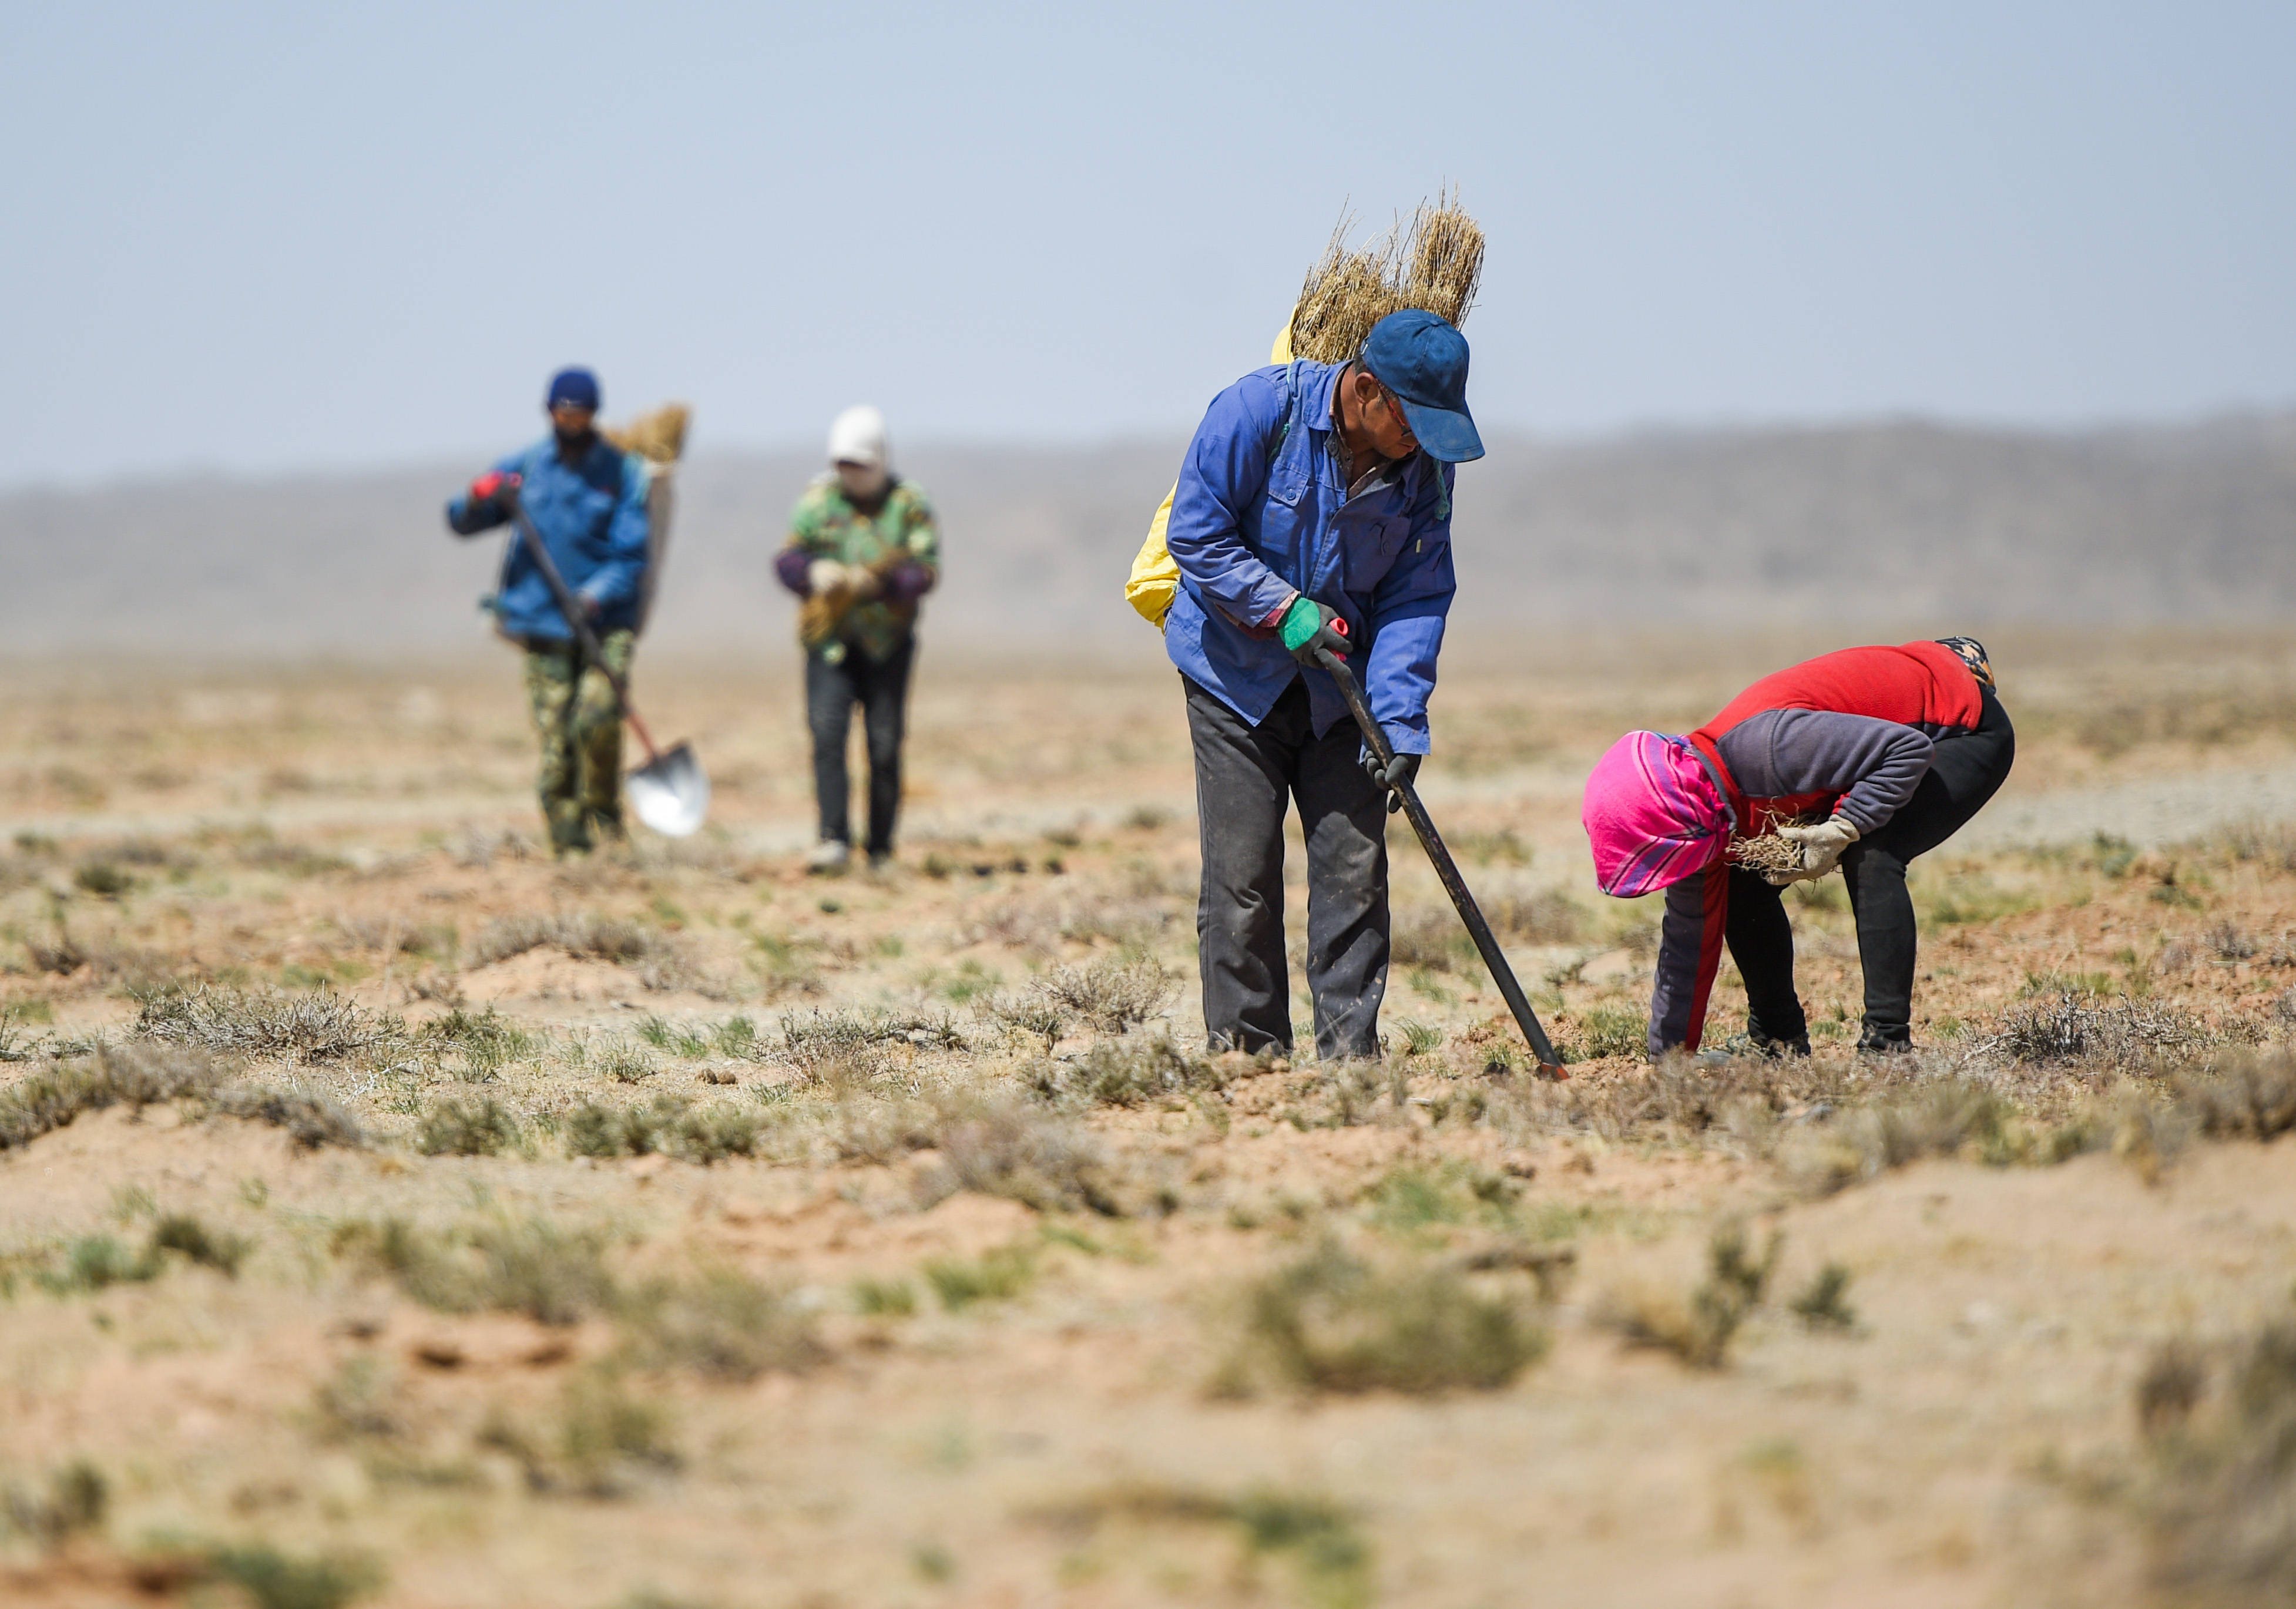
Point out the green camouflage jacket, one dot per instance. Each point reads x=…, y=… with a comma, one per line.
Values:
x=825, y=526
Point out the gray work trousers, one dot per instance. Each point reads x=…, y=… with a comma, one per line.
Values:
x=1244, y=774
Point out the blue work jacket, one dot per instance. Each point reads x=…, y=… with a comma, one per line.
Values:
x=1260, y=514
x=592, y=516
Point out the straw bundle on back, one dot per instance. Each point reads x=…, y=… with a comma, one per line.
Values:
x=1434, y=263
x=658, y=438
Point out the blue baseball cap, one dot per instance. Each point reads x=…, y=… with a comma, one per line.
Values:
x=573, y=387
x=1424, y=361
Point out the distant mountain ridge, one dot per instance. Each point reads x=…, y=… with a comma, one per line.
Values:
x=1880, y=521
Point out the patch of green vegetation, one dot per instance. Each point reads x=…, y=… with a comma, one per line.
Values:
x=720, y=1324
x=478, y=1128
x=487, y=1041
x=1700, y=1331
x=1331, y=1321
x=999, y=1274
x=606, y=1443
x=1607, y=1031
x=1130, y=1073
x=96, y=1262
x=1824, y=1304
x=666, y=1126
x=1419, y=1037
x=1414, y=1197
x=532, y=1266
x=884, y=1298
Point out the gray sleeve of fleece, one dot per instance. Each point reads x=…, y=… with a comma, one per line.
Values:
x=1874, y=765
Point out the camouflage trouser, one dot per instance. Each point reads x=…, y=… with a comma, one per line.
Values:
x=580, y=726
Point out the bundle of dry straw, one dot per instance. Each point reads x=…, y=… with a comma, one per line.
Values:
x=1771, y=852
x=658, y=438
x=1433, y=263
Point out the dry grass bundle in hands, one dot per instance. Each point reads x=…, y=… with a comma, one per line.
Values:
x=1434, y=263
x=1771, y=852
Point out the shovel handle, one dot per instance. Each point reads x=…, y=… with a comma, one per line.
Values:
x=1447, y=870
x=571, y=608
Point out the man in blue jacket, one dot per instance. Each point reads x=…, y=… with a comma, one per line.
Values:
x=587, y=498
x=1314, y=510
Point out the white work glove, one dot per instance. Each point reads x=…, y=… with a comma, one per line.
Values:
x=828, y=576
x=1821, y=849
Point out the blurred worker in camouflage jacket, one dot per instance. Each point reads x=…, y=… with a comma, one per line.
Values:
x=588, y=500
x=862, y=550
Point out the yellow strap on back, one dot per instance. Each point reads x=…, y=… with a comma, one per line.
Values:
x=1155, y=575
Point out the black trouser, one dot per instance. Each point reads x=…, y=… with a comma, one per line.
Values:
x=1969, y=768
x=881, y=688
x=1243, y=775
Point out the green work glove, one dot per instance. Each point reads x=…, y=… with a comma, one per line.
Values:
x=1396, y=776
x=1307, y=626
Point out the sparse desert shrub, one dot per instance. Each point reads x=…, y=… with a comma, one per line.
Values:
x=689, y=1043
x=582, y=934
x=524, y=1265
x=485, y=1039
x=844, y=1049
x=195, y=1242
x=320, y=1026
x=1419, y=1037
x=1031, y=1013
x=478, y=1128
x=1024, y=1153
x=997, y=1275
x=74, y=1499
x=1130, y=1073
x=884, y=1298
x=1342, y=1095
x=95, y=1262
x=131, y=1076
x=2070, y=1027
x=1824, y=1304
x=1331, y=1321
x=2223, y=1528
x=272, y=1580
x=721, y=1324
x=666, y=1126
x=1700, y=1331
x=1412, y=1195
x=1111, y=994
x=1323, y=1539
x=311, y=1121
x=606, y=1443
x=104, y=879
x=2251, y=1097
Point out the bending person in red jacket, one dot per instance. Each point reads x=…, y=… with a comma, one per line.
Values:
x=1891, y=751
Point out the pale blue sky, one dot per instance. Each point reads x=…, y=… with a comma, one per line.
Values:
x=268, y=238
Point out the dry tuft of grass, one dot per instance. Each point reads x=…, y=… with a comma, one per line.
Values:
x=1699, y=1330
x=2224, y=1530
x=1434, y=262
x=581, y=934
x=478, y=1128
x=720, y=1324
x=1019, y=1150
x=2071, y=1026
x=668, y=1126
x=321, y=1026
x=1130, y=1072
x=509, y=1265
x=1333, y=1321
x=135, y=1076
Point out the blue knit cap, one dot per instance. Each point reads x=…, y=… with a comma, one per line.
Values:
x=573, y=387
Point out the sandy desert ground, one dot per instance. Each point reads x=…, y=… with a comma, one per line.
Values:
x=390, y=1215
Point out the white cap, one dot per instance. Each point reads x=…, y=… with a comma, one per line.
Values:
x=858, y=437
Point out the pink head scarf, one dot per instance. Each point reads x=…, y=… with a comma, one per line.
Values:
x=1653, y=814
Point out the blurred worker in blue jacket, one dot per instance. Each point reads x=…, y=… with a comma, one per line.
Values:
x=587, y=499
x=1313, y=512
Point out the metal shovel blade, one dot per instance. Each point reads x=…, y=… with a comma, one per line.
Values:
x=671, y=793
